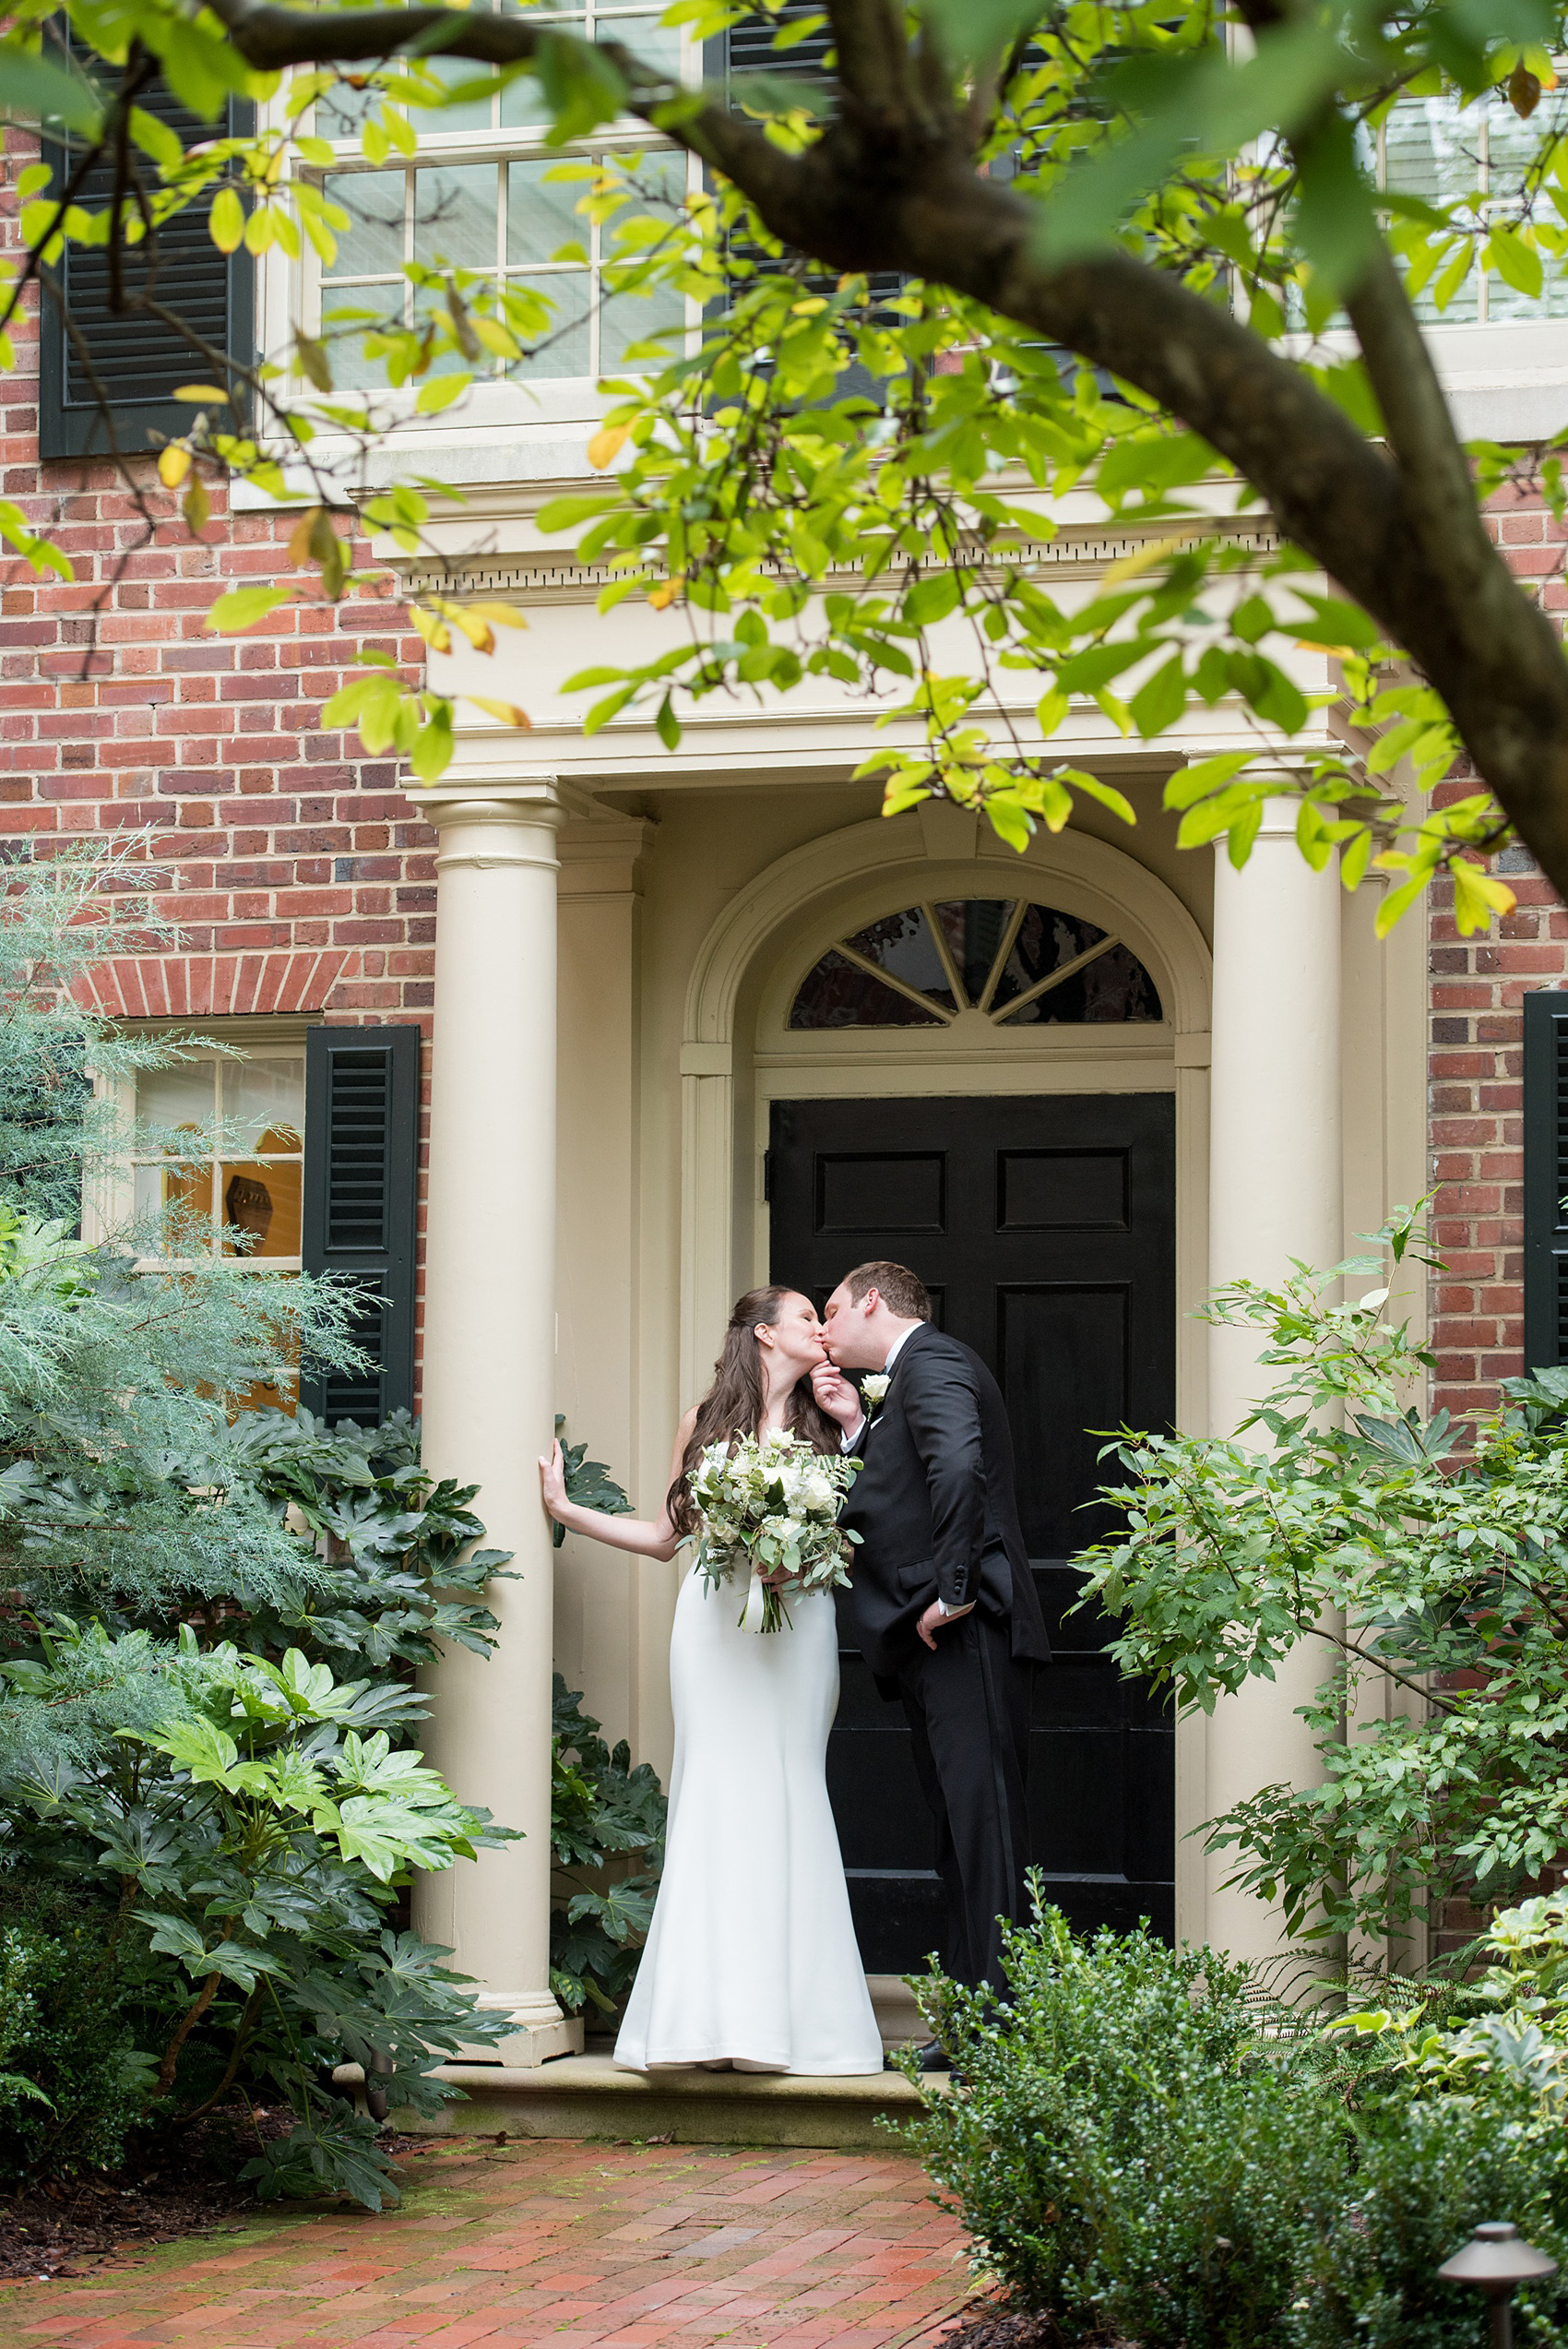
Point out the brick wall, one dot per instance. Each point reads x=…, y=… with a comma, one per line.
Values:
x=285, y=858
x=1475, y=1069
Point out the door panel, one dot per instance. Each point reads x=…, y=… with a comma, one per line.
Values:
x=1045, y=1232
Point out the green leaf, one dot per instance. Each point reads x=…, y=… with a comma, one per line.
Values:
x=1160, y=701
x=1334, y=219
x=242, y=607
x=33, y=89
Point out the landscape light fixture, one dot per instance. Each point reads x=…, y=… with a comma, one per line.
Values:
x=1495, y=2258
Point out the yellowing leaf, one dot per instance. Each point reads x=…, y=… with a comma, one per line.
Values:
x=299, y=537
x=500, y=616
x=603, y=446
x=1143, y=558
x=197, y=507
x=1477, y=895
x=198, y=392
x=173, y=464
x=665, y=594
x=508, y=712
x=479, y=632
x=433, y=627
x=226, y=221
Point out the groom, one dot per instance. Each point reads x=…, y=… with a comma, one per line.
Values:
x=943, y=1597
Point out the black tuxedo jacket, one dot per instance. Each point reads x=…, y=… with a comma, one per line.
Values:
x=934, y=1507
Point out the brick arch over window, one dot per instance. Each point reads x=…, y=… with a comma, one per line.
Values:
x=178, y=986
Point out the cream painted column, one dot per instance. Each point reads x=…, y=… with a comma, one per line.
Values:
x=1276, y=1192
x=489, y=1385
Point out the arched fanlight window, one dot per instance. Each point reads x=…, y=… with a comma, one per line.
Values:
x=1017, y=962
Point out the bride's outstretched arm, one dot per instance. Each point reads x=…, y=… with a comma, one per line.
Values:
x=647, y=1537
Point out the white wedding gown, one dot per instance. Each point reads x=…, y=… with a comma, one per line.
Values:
x=751, y=1959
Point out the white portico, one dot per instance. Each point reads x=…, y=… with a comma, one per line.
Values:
x=624, y=940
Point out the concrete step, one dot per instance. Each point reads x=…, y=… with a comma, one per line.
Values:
x=589, y=2096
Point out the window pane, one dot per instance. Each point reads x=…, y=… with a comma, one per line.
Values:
x=1512, y=148
x=476, y=112
x=264, y=1103
x=542, y=213
x=454, y=216
x=902, y=944
x=262, y=1198
x=343, y=112
x=1433, y=146
x=185, y=1191
x=837, y=993
x=1046, y=940
x=522, y=103
x=184, y=1096
x=629, y=319
x=1113, y=987
x=973, y=928
x=372, y=243
x=351, y=369
x=565, y=344
x=650, y=42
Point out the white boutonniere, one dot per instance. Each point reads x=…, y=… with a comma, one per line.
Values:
x=874, y=1390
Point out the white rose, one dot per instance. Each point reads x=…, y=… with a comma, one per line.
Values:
x=875, y=1389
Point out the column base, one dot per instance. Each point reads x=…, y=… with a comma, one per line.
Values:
x=540, y=2030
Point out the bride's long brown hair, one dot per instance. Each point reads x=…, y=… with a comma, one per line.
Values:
x=732, y=1405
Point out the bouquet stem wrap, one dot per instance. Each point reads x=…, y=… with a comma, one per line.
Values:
x=770, y=1526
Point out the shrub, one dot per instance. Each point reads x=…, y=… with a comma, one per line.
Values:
x=1121, y=2150
x=1141, y=2154
x=72, y=2081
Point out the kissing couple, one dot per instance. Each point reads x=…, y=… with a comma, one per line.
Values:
x=751, y=1959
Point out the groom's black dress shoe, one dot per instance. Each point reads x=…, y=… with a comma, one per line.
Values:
x=932, y=2057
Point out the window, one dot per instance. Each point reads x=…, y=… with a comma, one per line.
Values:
x=302, y=1156
x=242, y=1189
x=1018, y=963
x=1437, y=149
x=129, y=363
x=479, y=195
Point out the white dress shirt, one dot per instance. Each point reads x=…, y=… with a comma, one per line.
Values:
x=852, y=1437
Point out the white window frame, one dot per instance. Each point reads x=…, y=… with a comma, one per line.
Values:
x=497, y=400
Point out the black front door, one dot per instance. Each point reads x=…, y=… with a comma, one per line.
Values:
x=1044, y=1230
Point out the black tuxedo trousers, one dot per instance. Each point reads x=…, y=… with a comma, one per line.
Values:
x=968, y=1705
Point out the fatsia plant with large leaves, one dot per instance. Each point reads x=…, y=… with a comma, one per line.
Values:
x=253, y=1826
x=1141, y=258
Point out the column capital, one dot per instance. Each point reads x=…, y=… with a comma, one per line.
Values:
x=1279, y=812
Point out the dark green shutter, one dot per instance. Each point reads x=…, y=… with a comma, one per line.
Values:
x=139, y=360
x=361, y=1158
x=747, y=48
x=1546, y=1178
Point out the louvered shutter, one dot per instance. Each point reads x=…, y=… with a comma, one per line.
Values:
x=1546, y=1179
x=138, y=360
x=361, y=1147
x=747, y=48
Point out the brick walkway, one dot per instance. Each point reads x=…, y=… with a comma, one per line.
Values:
x=624, y=2246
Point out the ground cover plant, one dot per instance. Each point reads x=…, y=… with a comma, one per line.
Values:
x=1146, y=2147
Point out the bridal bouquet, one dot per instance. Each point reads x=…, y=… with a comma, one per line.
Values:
x=770, y=1517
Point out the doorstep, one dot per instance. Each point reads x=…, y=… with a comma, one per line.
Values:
x=581, y=2096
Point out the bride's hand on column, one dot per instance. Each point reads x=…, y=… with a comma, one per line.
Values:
x=552, y=1479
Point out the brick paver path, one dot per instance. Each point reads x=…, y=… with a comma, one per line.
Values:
x=623, y=2245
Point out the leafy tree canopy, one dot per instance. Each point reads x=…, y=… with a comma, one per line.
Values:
x=985, y=253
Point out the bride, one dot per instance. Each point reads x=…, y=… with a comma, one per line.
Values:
x=750, y=1959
